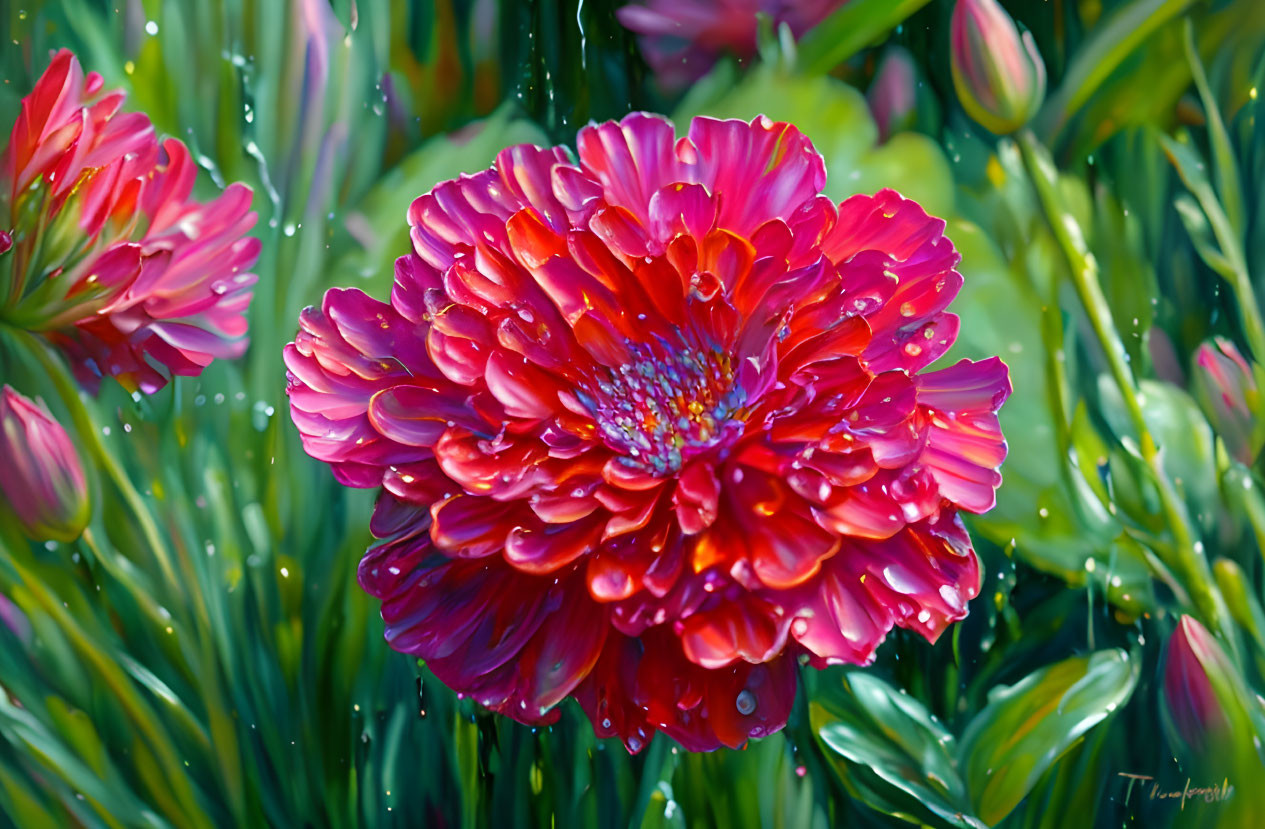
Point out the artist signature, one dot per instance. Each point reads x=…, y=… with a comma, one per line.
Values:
x=1152, y=790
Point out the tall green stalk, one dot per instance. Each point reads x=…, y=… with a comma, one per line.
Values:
x=1189, y=559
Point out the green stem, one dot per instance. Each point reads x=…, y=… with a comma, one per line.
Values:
x=1189, y=559
x=90, y=433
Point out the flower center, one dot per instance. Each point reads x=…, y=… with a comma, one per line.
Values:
x=661, y=410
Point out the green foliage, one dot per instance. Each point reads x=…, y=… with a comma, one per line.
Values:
x=202, y=656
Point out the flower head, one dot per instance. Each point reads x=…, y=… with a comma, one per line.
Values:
x=682, y=39
x=43, y=480
x=998, y=72
x=1226, y=385
x=654, y=424
x=112, y=258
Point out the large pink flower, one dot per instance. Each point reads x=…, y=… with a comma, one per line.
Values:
x=682, y=39
x=111, y=257
x=652, y=426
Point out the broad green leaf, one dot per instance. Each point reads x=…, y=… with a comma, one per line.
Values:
x=893, y=754
x=1027, y=726
x=1072, y=786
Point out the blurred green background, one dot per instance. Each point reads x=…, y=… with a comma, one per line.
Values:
x=204, y=657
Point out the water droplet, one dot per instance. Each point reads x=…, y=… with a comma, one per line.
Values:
x=745, y=702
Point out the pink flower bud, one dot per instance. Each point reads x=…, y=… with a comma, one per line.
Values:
x=998, y=72
x=1194, y=665
x=1225, y=385
x=43, y=481
x=893, y=94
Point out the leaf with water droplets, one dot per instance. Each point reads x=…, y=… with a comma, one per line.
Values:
x=890, y=752
x=1026, y=727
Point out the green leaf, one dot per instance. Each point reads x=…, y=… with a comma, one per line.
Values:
x=1027, y=726
x=1227, y=170
x=1072, y=786
x=1194, y=174
x=893, y=754
x=1201, y=236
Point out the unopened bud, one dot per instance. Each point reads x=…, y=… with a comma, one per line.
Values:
x=997, y=71
x=893, y=94
x=1226, y=387
x=43, y=481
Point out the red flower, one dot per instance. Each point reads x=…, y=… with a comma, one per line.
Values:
x=650, y=428
x=682, y=39
x=112, y=259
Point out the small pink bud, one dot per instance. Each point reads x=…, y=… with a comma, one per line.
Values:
x=1225, y=385
x=998, y=72
x=1194, y=665
x=6, y=241
x=893, y=94
x=43, y=480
